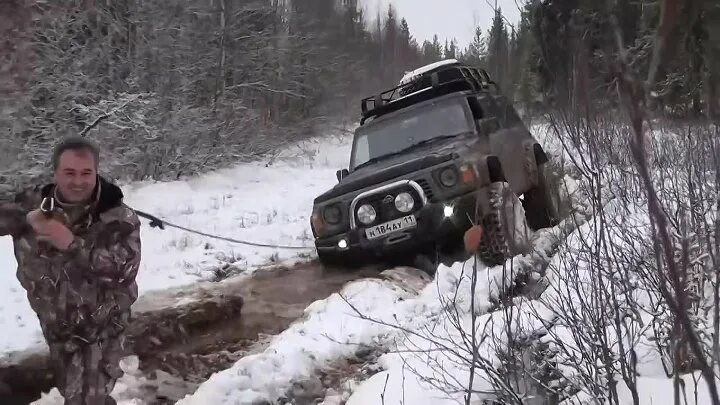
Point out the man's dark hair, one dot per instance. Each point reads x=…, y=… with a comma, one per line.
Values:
x=75, y=143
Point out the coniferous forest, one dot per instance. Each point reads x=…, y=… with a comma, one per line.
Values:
x=197, y=85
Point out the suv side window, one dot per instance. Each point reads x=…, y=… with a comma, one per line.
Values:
x=491, y=109
x=475, y=107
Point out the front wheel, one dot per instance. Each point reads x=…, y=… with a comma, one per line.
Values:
x=505, y=230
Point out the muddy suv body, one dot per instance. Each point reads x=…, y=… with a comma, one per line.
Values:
x=431, y=157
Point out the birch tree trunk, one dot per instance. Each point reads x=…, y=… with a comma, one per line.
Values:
x=220, y=78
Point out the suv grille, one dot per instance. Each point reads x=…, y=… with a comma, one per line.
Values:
x=427, y=188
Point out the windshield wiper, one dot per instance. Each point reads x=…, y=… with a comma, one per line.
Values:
x=428, y=141
x=379, y=158
x=403, y=150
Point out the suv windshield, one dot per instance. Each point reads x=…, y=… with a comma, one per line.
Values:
x=409, y=128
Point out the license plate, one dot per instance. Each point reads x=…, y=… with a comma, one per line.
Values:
x=378, y=231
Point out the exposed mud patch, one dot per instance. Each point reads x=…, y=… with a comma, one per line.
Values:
x=272, y=300
x=341, y=379
x=182, y=336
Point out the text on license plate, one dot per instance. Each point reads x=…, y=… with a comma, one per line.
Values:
x=389, y=227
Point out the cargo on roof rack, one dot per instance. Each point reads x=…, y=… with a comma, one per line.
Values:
x=414, y=74
x=428, y=82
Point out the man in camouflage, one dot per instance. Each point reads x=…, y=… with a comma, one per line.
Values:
x=77, y=259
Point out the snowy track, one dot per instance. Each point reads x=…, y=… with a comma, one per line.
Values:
x=296, y=338
x=183, y=336
x=265, y=201
x=326, y=353
x=252, y=201
x=350, y=343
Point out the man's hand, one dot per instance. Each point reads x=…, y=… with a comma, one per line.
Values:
x=472, y=238
x=50, y=230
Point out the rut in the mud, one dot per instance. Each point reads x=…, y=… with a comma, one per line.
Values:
x=186, y=335
x=272, y=301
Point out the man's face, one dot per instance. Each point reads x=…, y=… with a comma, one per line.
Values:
x=76, y=175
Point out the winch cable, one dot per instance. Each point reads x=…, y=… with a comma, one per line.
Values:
x=156, y=222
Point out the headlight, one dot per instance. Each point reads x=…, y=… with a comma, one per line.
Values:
x=404, y=202
x=366, y=214
x=332, y=214
x=448, y=177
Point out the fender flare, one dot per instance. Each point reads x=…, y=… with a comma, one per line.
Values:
x=495, y=170
x=540, y=155
x=489, y=170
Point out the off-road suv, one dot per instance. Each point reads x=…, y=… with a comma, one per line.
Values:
x=440, y=152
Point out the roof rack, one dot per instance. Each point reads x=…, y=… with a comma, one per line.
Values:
x=448, y=78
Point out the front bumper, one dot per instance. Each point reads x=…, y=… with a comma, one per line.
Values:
x=433, y=227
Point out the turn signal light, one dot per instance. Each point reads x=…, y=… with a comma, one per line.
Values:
x=317, y=222
x=467, y=175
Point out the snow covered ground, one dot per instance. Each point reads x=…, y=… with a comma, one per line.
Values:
x=249, y=202
x=366, y=313
x=426, y=334
x=424, y=331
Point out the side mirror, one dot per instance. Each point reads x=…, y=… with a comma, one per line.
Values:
x=341, y=174
x=487, y=126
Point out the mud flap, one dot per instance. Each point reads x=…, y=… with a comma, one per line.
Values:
x=542, y=203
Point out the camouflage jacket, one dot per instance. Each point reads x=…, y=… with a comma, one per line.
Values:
x=88, y=289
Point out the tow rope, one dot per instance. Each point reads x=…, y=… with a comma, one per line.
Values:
x=156, y=222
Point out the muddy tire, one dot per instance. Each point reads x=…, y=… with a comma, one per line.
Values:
x=542, y=202
x=505, y=230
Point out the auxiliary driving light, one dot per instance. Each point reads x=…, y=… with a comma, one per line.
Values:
x=404, y=202
x=366, y=214
x=343, y=243
x=448, y=211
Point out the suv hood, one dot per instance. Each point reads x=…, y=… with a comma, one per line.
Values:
x=413, y=160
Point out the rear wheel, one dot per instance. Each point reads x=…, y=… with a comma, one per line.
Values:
x=505, y=230
x=542, y=202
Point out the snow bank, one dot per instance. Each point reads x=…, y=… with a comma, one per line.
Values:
x=616, y=244
x=330, y=330
x=250, y=201
x=431, y=364
x=133, y=388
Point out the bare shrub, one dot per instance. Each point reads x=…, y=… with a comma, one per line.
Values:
x=634, y=286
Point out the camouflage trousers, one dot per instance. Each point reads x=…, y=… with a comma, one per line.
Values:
x=85, y=373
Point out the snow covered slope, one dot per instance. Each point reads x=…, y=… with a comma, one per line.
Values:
x=366, y=314
x=426, y=332
x=249, y=202
x=450, y=337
